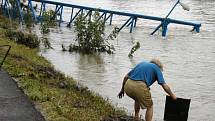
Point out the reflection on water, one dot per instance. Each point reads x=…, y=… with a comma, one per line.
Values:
x=188, y=57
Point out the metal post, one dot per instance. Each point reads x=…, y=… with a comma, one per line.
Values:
x=157, y=28
x=41, y=9
x=129, y=24
x=56, y=8
x=135, y=22
x=5, y=54
x=61, y=13
x=132, y=25
x=56, y=12
x=32, y=9
x=105, y=17
x=100, y=16
x=111, y=18
x=5, y=8
x=2, y=3
x=20, y=11
x=88, y=13
x=82, y=12
x=68, y=25
x=166, y=17
x=124, y=24
x=172, y=8
x=90, y=16
x=72, y=19
x=164, y=27
x=164, y=30
x=72, y=13
x=197, y=28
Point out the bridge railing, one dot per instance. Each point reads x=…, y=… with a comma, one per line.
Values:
x=104, y=14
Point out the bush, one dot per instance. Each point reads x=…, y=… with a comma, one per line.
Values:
x=30, y=40
x=90, y=36
x=48, y=20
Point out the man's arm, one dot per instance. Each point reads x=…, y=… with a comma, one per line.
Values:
x=121, y=93
x=168, y=91
x=124, y=81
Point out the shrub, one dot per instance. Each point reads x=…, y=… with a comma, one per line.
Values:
x=90, y=36
x=30, y=40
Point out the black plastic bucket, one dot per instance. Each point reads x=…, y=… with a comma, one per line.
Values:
x=176, y=110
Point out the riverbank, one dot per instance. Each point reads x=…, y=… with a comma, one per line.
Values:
x=57, y=97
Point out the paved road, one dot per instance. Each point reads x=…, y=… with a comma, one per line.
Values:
x=14, y=104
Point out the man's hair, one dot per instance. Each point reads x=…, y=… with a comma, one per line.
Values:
x=158, y=63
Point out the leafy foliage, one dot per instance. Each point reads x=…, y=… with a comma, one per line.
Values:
x=90, y=35
x=133, y=49
x=30, y=40
x=46, y=42
x=29, y=22
x=48, y=20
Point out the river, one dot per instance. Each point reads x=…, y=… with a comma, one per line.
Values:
x=188, y=57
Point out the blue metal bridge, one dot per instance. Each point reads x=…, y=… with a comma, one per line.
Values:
x=106, y=15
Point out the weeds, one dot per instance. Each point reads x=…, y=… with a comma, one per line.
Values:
x=30, y=40
x=133, y=49
x=48, y=20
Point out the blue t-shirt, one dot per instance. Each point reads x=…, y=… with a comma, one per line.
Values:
x=148, y=72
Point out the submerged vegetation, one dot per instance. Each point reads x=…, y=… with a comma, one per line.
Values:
x=48, y=20
x=58, y=97
x=135, y=47
x=91, y=38
x=90, y=35
x=28, y=39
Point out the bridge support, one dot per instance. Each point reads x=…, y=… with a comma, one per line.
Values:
x=42, y=10
x=197, y=29
x=89, y=13
x=5, y=7
x=73, y=18
x=164, y=27
x=111, y=18
x=20, y=11
x=130, y=22
x=32, y=10
x=13, y=9
x=58, y=11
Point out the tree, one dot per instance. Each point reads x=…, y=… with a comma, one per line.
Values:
x=90, y=36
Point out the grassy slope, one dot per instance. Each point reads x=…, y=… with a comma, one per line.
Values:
x=57, y=97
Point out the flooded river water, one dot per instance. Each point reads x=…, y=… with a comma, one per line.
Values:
x=188, y=57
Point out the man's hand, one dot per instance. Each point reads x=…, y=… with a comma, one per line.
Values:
x=174, y=97
x=121, y=94
x=168, y=91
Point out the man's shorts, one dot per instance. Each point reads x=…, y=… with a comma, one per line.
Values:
x=139, y=91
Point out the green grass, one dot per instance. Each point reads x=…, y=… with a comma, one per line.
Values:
x=43, y=84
